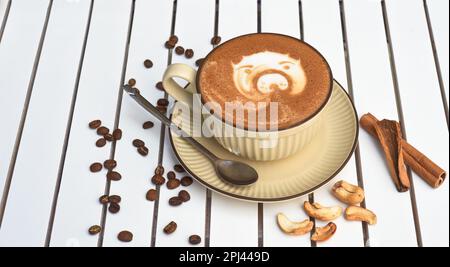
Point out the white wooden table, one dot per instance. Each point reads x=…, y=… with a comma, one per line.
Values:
x=62, y=63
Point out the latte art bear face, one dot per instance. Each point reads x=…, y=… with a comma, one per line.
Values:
x=259, y=75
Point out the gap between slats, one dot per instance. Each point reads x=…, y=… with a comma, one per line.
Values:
x=5, y=19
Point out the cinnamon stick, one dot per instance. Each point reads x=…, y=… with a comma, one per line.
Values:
x=424, y=167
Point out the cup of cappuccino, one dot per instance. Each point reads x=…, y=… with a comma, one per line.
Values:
x=261, y=96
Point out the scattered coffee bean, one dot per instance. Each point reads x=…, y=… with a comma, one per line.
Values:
x=186, y=181
x=110, y=164
x=96, y=167
x=162, y=102
x=198, y=62
x=159, y=170
x=171, y=175
x=179, y=50
x=189, y=53
x=172, y=183
x=101, y=142
x=169, y=45
x=102, y=130
x=95, y=229
x=114, y=208
x=143, y=150
x=148, y=125
x=195, y=239
x=148, y=63
x=104, y=199
x=170, y=228
x=115, y=199
x=138, y=143
x=117, y=134
x=178, y=168
x=109, y=137
x=162, y=109
x=173, y=39
x=125, y=236
x=151, y=195
x=132, y=82
x=95, y=124
x=216, y=40
x=114, y=176
x=175, y=201
x=159, y=86
x=158, y=179
x=184, y=195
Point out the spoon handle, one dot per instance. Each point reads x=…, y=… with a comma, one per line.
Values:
x=134, y=93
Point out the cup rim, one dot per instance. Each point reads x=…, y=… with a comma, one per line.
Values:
x=299, y=123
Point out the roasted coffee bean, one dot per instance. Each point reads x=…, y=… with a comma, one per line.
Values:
x=95, y=124
x=95, y=229
x=147, y=125
x=151, y=195
x=179, y=50
x=216, y=40
x=102, y=130
x=162, y=109
x=114, y=208
x=101, y=142
x=159, y=170
x=104, y=199
x=138, y=143
x=109, y=137
x=114, y=176
x=173, y=39
x=110, y=164
x=178, y=168
x=148, y=63
x=96, y=167
x=169, y=44
x=117, y=134
x=195, y=239
x=198, y=62
x=170, y=228
x=159, y=86
x=162, y=102
x=132, y=82
x=173, y=183
x=189, y=53
x=175, y=201
x=184, y=195
x=186, y=181
x=143, y=150
x=125, y=236
x=115, y=199
x=171, y=175
x=158, y=179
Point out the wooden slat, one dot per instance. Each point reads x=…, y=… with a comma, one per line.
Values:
x=43, y=136
x=151, y=26
x=374, y=92
x=234, y=222
x=78, y=206
x=283, y=19
x=423, y=113
x=25, y=23
x=190, y=217
x=322, y=29
x=439, y=18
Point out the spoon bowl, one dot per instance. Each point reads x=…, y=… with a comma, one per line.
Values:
x=235, y=172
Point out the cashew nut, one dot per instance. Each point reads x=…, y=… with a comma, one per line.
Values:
x=319, y=212
x=294, y=228
x=348, y=193
x=324, y=233
x=355, y=213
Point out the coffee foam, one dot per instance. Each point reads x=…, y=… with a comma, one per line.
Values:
x=253, y=68
x=258, y=75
